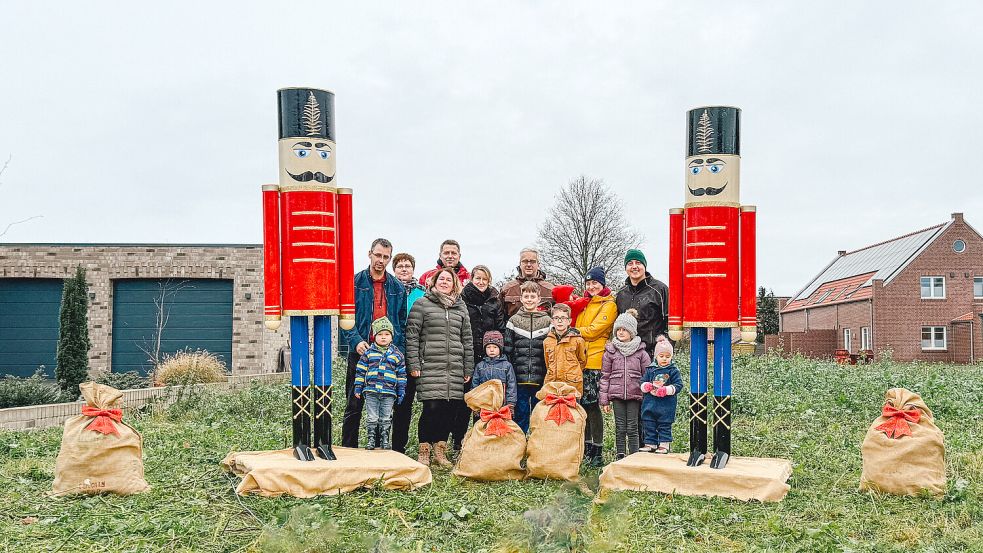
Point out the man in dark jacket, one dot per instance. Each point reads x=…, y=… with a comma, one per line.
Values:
x=377, y=294
x=647, y=295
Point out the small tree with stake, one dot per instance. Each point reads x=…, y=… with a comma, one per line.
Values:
x=73, y=334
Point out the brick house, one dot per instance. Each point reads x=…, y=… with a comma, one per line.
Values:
x=213, y=295
x=917, y=296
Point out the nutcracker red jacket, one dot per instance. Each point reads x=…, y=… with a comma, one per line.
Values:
x=364, y=298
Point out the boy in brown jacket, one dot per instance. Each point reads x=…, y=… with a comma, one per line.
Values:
x=565, y=351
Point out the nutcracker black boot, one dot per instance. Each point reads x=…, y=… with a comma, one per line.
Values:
x=697, y=429
x=721, y=432
x=322, y=422
x=301, y=410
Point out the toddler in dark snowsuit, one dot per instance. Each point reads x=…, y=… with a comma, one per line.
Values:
x=660, y=383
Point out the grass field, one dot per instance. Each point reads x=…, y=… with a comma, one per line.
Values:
x=813, y=413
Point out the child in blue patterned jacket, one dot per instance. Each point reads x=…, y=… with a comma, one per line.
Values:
x=380, y=376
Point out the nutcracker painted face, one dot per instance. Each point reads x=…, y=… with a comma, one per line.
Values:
x=713, y=164
x=306, y=146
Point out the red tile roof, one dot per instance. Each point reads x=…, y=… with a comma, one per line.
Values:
x=839, y=291
x=962, y=318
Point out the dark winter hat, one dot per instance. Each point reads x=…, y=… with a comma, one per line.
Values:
x=306, y=112
x=493, y=337
x=597, y=273
x=713, y=130
x=636, y=255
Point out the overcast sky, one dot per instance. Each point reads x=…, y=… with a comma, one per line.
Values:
x=138, y=122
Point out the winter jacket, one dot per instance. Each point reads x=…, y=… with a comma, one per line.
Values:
x=413, y=292
x=595, y=324
x=395, y=310
x=524, y=335
x=498, y=368
x=621, y=375
x=565, y=358
x=661, y=408
x=382, y=372
x=486, y=314
x=651, y=299
x=462, y=273
x=512, y=295
x=438, y=344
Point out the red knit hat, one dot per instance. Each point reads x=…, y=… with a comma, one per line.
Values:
x=493, y=337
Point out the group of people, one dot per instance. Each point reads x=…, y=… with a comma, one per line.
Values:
x=434, y=338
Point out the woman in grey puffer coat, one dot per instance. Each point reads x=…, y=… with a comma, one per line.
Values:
x=440, y=354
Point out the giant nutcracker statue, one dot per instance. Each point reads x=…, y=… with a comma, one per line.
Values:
x=307, y=254
x=711, y=270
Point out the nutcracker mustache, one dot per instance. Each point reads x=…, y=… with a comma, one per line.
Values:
x=307, y=176
x=709, y=191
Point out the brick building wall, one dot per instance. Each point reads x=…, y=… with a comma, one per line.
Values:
x=811, y=343
x=853, y=316
x=254, y=349
x=900, y=312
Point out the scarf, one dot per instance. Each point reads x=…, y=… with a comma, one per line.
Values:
x=629, y=347
x=447, y=300
x=475, y=297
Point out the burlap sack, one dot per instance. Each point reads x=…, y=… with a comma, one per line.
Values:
x=99, y=452
x=494, y=447
x=276, y=473
x=903, y=451
x=556, y=433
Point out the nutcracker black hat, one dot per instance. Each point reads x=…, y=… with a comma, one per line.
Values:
x=306, y=112
x=713, y=130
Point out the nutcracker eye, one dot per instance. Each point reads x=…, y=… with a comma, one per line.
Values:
x=324, y=154
x=715, y=169
x=694, y=170
x=302, y=152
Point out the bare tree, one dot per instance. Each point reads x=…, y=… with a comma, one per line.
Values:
x=586, y=228
x=7, y=228
x=162, y=312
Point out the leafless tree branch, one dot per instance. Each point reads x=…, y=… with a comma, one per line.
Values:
x=585, y=228
x=7, y=228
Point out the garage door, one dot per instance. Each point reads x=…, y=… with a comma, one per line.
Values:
x=29, y=311
x=190, y=313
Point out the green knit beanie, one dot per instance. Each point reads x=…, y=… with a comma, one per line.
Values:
x=636, y=255
x=380, y=324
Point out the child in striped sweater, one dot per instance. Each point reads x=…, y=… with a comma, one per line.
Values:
x=380, y=376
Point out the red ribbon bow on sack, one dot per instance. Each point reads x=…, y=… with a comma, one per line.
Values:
x=560, y=410
x=496, y=421
x=103, y=419
x=897, y=423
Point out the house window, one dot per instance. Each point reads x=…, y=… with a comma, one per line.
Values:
x=848, y=340
x=865, y=337
x=978, y=288
x=933, y=287
x=933, y=337
x=959, y=246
